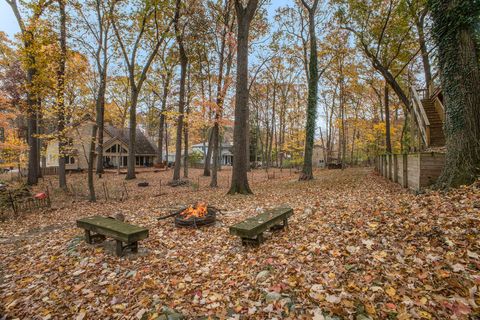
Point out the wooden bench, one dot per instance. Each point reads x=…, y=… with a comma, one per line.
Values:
x=108, y=227
x=251, y=230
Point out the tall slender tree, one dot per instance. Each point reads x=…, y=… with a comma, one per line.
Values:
x=28, y=35
x=224, y=55
x=307, y=173
x=93, y=20
x=179, y=34
x=62, y=139
x=148, y=20
x=239, y=182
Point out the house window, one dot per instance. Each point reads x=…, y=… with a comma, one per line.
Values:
x=69, y=160
x=116, y=148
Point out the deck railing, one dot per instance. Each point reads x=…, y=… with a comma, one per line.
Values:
x=420, y=115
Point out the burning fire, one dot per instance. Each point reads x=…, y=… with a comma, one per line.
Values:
x=199, y=211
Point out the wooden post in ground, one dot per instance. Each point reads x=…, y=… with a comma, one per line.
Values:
x=390, y=167
x=405, y=171
x=395, y=168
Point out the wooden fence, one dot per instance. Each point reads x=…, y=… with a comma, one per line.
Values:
x=415, y=170
x=49, y=171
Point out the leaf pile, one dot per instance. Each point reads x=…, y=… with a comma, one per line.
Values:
x=357, y=247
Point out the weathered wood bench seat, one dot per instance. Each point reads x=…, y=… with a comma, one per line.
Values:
x=108, y=227
x=251, y=230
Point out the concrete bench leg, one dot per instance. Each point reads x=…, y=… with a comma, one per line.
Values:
x=119, y=248
x=134, y=247
x=256, y=241
x=88, y=237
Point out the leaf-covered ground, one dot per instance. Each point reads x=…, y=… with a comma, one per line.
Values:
x=357, y=247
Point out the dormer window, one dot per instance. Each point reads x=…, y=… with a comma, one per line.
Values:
x=116, y=148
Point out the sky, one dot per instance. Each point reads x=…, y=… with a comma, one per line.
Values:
x=9, y=25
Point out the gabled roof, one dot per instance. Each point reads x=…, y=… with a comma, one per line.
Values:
x=142, y=144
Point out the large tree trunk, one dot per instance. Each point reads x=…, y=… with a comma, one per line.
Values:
x=62, y=139
x=132, y=132
x=239, y=182
x=32, y=99
x=307, y=172
x=91, y=158
x=181, y=100
x=161, y=125
x=388, y=140
x=100, y=116
x=32, y=177
x=458, y=55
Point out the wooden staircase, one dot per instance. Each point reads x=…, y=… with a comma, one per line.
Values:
x=429, y=115
x=437, y=138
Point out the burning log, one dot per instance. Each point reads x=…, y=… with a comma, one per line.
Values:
x=196, y=216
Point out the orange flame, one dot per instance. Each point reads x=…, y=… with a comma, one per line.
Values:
x=199, y=211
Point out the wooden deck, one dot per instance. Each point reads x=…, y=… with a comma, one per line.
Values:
x=414, y=171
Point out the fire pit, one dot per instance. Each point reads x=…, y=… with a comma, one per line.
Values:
x=196, y=216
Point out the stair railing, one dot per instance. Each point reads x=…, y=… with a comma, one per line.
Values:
x=420, y=116
x=435, y=89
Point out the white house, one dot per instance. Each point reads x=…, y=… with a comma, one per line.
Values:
x=226, y=152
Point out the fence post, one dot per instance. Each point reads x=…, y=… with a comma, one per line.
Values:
x=405, y=171
x=12, y=201
x=395, y=168
x=390, y=167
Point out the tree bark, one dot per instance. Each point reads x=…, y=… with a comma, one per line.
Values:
x=100, y=116
x=239, y=183
x=388, y=140
x=62, y=139
x=307, y=172
x=32, y=99
x=91, y=158
x=220, y=97
x=132, y=132
x=161, y=125
x=181, y=102
x=424, y=51
x=458, y=54
x=208, y=158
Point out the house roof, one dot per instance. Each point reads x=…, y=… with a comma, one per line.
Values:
x=223, y=145
x=142, y=144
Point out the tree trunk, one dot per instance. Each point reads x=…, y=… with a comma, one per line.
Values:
x=388, y=141
x=208, y=158
x=307, y=173
x=219, y=98
x=32, y=177
x=161, y=124
x=239, y=182
x=181, y=101
x=91, y=158
x=100, y=115
x=424, y=51
x=185, y=145
x=166, y=142
x=215, y=143
x=458, y=54
x=62, y=139
x=132, y=132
